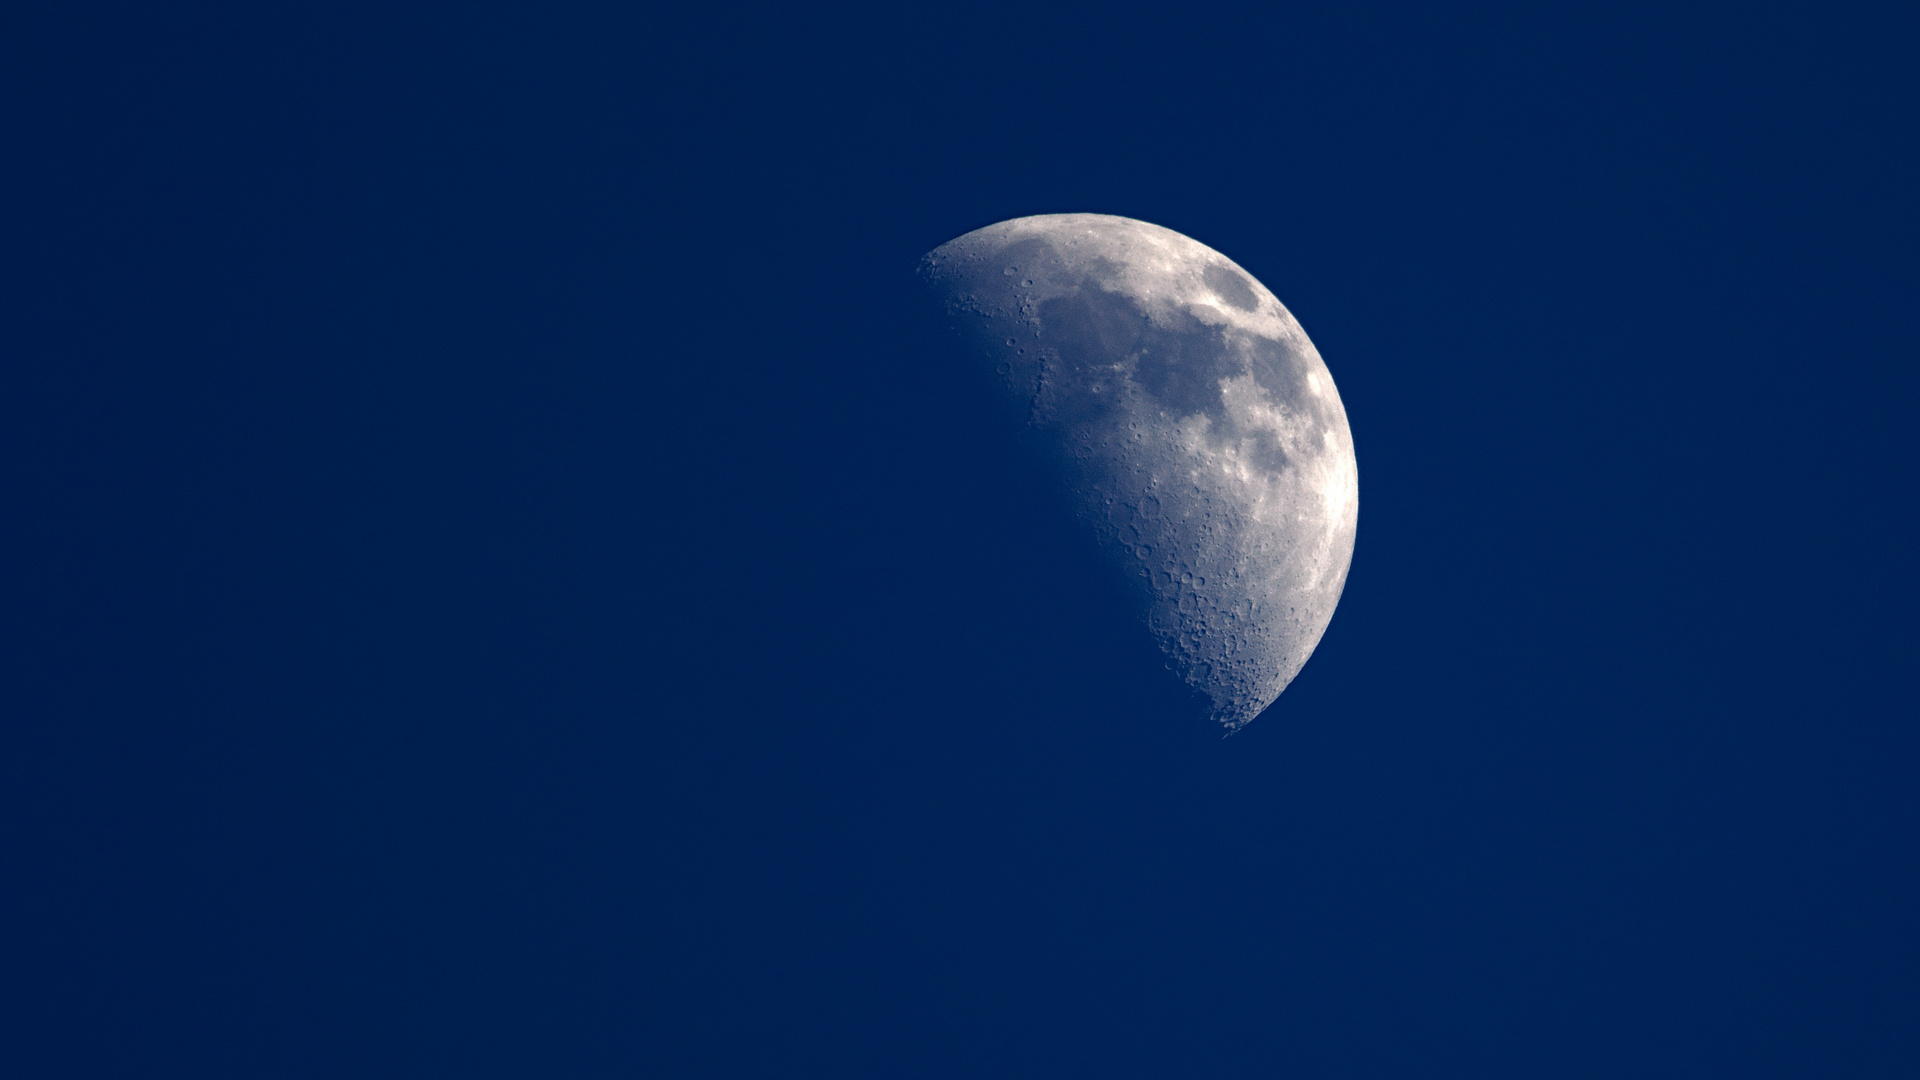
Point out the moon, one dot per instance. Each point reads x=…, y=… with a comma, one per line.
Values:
x=1196, y=429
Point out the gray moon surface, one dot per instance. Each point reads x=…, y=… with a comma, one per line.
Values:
x=1198, y=432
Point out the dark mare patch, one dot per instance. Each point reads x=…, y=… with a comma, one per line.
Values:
x=1178, y=362
x=1231, y=287
x=1087, y=334
x=1182, y=363
x=1282, y=372
x=1024, y=260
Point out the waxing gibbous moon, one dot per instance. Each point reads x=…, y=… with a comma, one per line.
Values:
x=1197, y=431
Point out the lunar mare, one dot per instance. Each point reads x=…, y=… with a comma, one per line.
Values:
x=1197, y=429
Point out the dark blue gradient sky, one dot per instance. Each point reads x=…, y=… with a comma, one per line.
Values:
x=495, y=584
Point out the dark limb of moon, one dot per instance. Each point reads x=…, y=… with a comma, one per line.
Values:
x=1197, y=429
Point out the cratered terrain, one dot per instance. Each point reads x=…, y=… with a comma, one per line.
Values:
x=1196, y=429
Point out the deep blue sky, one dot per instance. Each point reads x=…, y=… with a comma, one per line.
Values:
x=497, y=585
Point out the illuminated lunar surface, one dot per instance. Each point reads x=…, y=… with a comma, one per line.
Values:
x=1198, y=432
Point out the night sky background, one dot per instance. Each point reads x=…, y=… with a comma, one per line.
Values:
x=496, y=583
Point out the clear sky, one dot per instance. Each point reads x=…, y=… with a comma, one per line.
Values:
x=496, y=584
